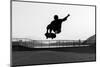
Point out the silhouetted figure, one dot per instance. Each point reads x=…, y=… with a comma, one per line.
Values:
x=50, y=35
x=55, y=25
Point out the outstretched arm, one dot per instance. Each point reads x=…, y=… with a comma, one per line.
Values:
x=66, y=17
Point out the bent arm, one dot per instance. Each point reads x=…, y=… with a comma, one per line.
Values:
x=66, y=17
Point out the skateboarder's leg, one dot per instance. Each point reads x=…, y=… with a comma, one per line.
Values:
x=47, y=31
x=50, y=30
x=59, y=31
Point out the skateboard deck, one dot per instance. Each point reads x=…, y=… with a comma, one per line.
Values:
x=50, y=35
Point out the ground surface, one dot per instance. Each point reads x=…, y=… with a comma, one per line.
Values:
x=52, y=56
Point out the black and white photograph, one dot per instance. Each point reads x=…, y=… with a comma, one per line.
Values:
x=52, y=33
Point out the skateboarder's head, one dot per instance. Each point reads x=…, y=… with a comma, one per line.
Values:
x=55, y=17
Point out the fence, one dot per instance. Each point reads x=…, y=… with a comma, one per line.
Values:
x=50, y=43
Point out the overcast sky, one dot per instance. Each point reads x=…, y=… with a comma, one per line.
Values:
x=29, y=20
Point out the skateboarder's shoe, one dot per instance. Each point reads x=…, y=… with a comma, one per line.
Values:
x=50, y=35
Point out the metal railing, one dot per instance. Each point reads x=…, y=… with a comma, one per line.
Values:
x=50, y=43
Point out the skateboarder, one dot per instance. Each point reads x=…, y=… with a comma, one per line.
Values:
x=55, y=25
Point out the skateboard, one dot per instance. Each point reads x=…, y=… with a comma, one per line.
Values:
x=50, y=35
